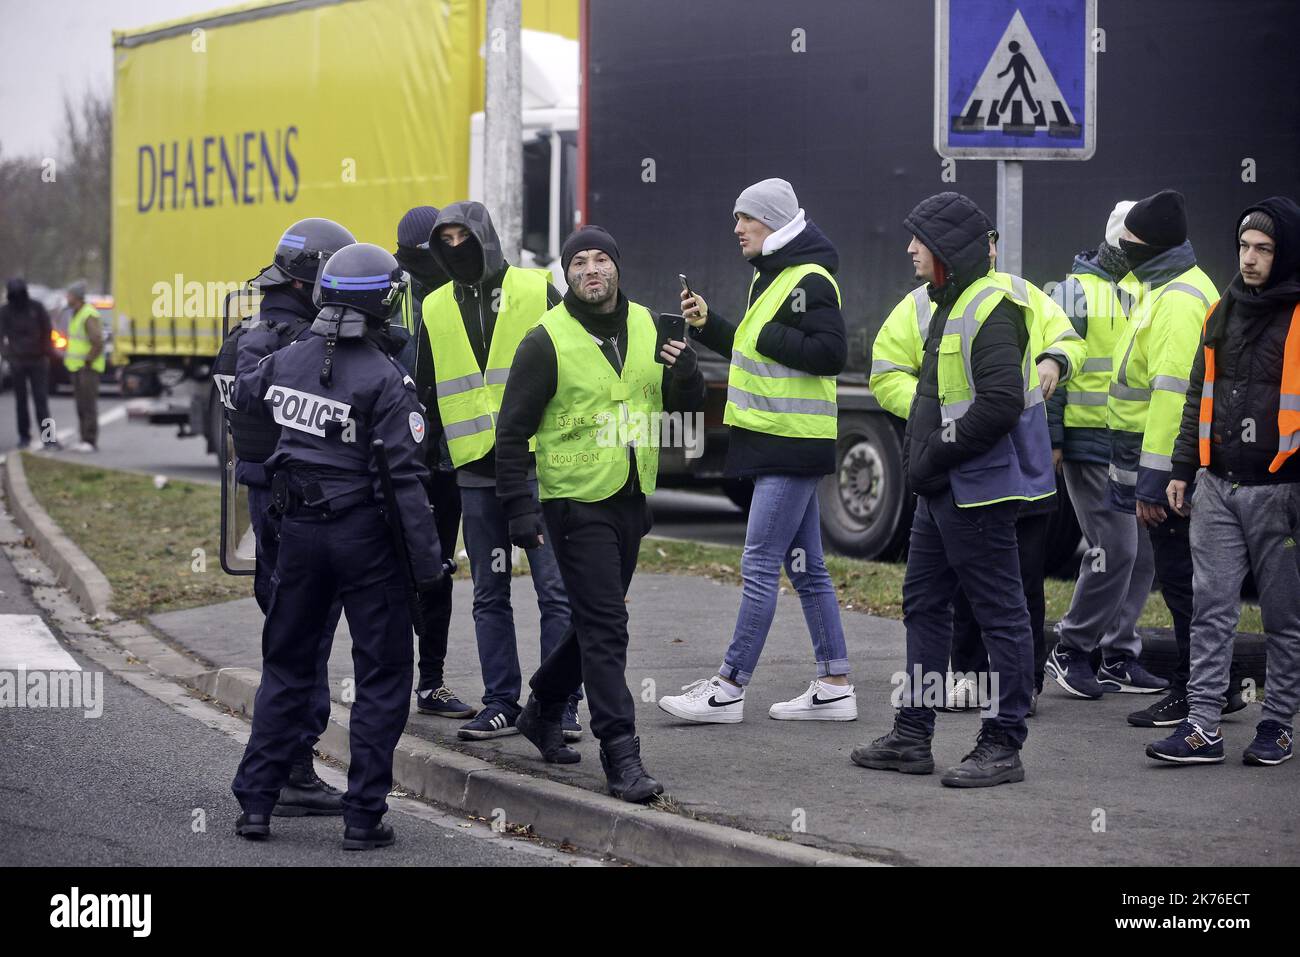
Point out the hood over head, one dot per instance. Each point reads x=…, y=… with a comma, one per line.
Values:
x=1285, y=216
x=16, y=291
x=478, y=257
x=957, y=231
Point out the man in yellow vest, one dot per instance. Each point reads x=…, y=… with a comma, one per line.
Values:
x=474, y=325
x=976, y=448
x=588, y=384
x=1116, y=571
x=1151, y=365
x=84, y=360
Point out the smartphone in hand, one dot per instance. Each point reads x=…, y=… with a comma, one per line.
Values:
x=671, y=327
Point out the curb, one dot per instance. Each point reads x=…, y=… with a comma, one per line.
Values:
x=557, y=812
x=74, y=569
x=554, y=811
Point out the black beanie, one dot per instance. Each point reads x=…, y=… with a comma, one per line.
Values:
x=1159, y=220
x=416, y=226
x=588, y=237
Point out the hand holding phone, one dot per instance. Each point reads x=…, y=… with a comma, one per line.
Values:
x=671, y=328
x=694, y=309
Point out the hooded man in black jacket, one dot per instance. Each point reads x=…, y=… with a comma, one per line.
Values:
x=954, y=543
x=25, y=339
x=474, y=324
x=1245, y=515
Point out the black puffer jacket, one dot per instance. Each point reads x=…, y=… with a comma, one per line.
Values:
x=1248, y=330
x=813, y=341
x=24, y=325
x=956, y=231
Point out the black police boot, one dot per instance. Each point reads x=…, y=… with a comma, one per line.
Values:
x=625, y=774
x=542, y=724
x=253, y=827
x=307, y=795
x=367, y=838
x=994, y=761
x=906, y=748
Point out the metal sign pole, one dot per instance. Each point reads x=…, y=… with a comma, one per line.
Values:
x=1011, y=206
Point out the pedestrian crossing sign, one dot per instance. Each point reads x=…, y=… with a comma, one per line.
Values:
x=1016, y=79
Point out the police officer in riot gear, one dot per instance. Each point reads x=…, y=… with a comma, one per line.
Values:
x=334, y=392
x=285, y=315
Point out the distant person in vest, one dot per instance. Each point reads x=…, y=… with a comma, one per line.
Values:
x=474, y=324
x=1245, y=515
x=84, y=361
x=432, y=695
x=1151, y=365
x=25, y=340
x=976, y=447
x=781, y=406
x=592, y=360
x=1115, y=574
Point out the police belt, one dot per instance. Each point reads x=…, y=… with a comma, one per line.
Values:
x=293, y=493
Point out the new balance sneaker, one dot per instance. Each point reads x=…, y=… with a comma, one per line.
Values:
x=1073, y=671
x=491, y=722
x=1273, y=744
x=995, y=760
x=443, y=702
x=1127, y=675
x=707, y=701
x=572, y=729
x=1168, y=712
x=905, y=748
x=1190, y=744
x=962, y=694
x=821, y=702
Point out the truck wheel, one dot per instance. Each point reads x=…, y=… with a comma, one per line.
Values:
x=741, y=493
x=1249, y=654
x=864, y=506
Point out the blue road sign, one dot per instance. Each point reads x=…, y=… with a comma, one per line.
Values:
x=1015, y=79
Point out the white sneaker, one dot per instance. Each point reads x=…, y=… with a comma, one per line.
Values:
x=821, y=702
x=84, y=447
x=963, y=695
x=706, y=701
x=35, y=445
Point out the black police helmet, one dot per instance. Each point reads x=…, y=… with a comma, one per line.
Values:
x=301, y=250
x=365, y=278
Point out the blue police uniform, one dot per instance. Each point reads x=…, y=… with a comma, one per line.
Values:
x=335, y=544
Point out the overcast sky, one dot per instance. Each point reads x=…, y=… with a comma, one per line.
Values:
x=48, y=47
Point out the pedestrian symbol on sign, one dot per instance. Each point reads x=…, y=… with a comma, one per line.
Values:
x=1028, y=102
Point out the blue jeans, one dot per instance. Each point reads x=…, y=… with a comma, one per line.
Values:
x=975, y=548
x=487, y=542
x=785, y=529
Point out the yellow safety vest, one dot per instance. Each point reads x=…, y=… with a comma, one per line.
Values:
x=1086, y=394
x=79, y=343
x=469, y=398
x=596, y=414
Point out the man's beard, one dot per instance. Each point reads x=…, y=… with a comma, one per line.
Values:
x=596, y=297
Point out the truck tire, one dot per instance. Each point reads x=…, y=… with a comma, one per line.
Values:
x=865, y=509
x=1160, y=654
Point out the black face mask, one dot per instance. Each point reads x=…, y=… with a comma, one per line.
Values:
x=464, y=262
x=421, y=264
x=1139, y=253
x=1112, y=259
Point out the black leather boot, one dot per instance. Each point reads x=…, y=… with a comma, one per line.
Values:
x=994, y=761
x=624, y=772
x=307, y=795
x=368, y=838
x=253, y=827
x=906, y=748
x=542, y=724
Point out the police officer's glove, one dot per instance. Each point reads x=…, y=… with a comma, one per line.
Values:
x=526, y=530
x=687, y=363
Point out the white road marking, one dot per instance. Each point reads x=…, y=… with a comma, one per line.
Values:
x=115, y=414
x=26, y=642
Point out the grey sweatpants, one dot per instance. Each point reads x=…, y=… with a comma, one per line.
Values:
x=1235, y=530
x=1115, y=574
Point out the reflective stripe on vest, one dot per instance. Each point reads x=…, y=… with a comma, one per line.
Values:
x=79, y=343
x=1087, y=391
x=1288, y=405
x=470, y=398
x=766, y=396
x=596, y=414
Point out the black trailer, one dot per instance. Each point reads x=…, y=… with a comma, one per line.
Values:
x=686, y=103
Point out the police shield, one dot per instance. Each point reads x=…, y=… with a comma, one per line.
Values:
x=238, y=547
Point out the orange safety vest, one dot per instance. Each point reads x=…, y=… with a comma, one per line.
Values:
x=1288, y=406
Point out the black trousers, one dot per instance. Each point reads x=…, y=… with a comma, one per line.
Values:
x=968, y=653
x=1171, y=546
x=37, y=372
x=596, y=546
x=445, y=498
